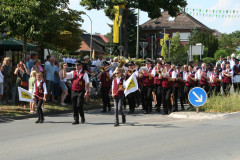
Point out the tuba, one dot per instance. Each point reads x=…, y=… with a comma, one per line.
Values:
x=121, y=63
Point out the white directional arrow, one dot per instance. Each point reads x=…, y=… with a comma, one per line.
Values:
x=198, y=98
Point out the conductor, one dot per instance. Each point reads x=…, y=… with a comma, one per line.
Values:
x=80, y=90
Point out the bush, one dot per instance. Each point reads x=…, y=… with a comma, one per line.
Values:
x=208, y=60
x=220, y=53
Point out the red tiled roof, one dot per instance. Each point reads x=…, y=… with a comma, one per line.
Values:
x=104, y=38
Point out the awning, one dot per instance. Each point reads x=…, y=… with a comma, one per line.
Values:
x=15, y=45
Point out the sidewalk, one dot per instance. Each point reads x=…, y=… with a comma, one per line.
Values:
x=55, y=112
x=202, y=115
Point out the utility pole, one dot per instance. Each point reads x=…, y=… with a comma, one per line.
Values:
x=137, y=47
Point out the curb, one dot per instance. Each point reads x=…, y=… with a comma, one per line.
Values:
x=46, y=113
x=202, y=115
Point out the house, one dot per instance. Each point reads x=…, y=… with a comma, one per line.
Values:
x=98, y=44
x=183, y=23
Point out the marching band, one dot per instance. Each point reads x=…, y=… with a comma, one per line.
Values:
x=166, y=83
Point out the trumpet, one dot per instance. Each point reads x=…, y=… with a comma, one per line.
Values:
x=104, y=69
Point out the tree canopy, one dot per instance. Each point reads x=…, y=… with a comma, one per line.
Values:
x=152, y=7
x=36, y=19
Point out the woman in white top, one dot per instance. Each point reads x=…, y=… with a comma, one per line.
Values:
x=63, y=80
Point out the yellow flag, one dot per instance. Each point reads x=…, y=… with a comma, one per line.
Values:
x=25, y=95
x=131, y=84
x=163, y=43
x=93, y=54
x=117, y=23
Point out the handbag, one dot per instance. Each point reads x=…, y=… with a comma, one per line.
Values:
x=23, y=84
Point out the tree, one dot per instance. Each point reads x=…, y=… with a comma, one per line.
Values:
x=27, y=20
x=220, y=53
x=153, y=8
x=206, y=38
x=178, y=54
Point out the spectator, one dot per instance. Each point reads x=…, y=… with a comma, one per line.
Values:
x=32, y=80
x=99, y=62
x=49, y=74
x=34, y=56
x=56, y=83
x=37, y=62
x=1, y=83
x=7, y=73
x=21, y=71
x=63, y=81
x=28, y=57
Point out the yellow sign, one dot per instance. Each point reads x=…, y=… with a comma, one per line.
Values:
x=25, y=95
x=131, y=84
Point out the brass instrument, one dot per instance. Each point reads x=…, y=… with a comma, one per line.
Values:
x=121, y=63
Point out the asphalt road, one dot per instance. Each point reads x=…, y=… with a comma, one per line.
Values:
x=143, y=137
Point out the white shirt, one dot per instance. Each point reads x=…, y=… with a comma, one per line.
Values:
x=212, y=75
x=99, y=63
x=118, y=80
x=174, y=74
x=184, y=75
x=199, y=74
x=85, y=76
x=227, y=71
x=44, y=87
x=232, y=64
x=153, y=71
x=1, y=77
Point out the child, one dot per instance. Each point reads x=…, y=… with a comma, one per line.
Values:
x=32, y=80
x=40, y=93
x=118, y=94
x=1, y=82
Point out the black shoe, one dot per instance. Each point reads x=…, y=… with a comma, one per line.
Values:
x=83, y=120
x=116, y=124
x=37, y=121
x=123, y=119
x=41, y=121
x=165, y=113
x=175, y=110
x=158, y=110
x=75, y=122
x=103, y=111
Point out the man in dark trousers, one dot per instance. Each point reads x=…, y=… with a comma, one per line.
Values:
x=106, y=83
x=80, y=90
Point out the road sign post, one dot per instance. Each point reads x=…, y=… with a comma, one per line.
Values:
x=197, y=97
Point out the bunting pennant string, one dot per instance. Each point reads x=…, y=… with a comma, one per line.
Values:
x=212, y=13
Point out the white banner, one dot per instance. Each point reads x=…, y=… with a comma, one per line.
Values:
x=131, y=85
x=24, y=95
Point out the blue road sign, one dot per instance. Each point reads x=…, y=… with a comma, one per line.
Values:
x=197, y=96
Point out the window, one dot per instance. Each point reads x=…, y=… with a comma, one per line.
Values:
x=183, y=36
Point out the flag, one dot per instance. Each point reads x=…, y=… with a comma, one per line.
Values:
x=24, y=95
x=131, y=85
x=93, y=54
x=162, y=43
x=117, y=23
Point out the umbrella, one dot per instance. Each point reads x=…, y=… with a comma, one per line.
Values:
x=15, y=45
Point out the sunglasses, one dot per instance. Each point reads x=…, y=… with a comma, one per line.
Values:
x=117, y=73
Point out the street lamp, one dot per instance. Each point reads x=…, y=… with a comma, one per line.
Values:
x=91, y=37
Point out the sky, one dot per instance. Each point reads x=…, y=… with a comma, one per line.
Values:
x=224, y=25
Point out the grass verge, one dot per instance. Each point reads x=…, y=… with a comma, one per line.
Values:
x=222, y=104
x=12, y=110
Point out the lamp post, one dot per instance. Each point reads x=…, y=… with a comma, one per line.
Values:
x=91, y=37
